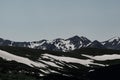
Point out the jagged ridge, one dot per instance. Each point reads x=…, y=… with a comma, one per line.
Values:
x=65, y=45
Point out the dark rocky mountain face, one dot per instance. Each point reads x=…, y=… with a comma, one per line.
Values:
x=79, y=42
x=96, y=44
x=113, y=43
x=65, y=45
x=13, y=43
x=5, y=42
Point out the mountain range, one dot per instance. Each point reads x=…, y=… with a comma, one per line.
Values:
x=65, y=45
x=75, y=58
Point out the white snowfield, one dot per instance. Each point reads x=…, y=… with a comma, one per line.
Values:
x=57, y=61
x=11, y=57
x=103, y=57
x=67, y=45
x=85, y=62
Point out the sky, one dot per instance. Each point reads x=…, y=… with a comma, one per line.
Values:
x=30, y=20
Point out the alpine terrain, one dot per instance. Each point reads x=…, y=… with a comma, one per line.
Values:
x=75, y=58
x=65, y=45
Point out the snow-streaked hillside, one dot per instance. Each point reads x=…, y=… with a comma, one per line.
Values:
x=42, y=63
x=85, y=62
x=46, y=61
x=10, y=57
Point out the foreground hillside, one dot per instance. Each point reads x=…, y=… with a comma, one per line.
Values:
x=84, y=64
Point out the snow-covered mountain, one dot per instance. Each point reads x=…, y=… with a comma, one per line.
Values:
x=58, y=44
x=113, y=43
x=69, y=44
x=65, y=45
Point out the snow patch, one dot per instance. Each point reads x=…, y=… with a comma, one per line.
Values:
x=85, y=62
x=11, y=57
x=103, y=57
x=114, y=38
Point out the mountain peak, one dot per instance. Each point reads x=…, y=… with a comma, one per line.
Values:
x=75, y=37
x=96, y=41
x=59, y=39
x=96, y=44
x=83, y=38
x=114, y=38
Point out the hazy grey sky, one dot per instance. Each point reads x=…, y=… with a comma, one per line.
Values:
x=28, y=20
